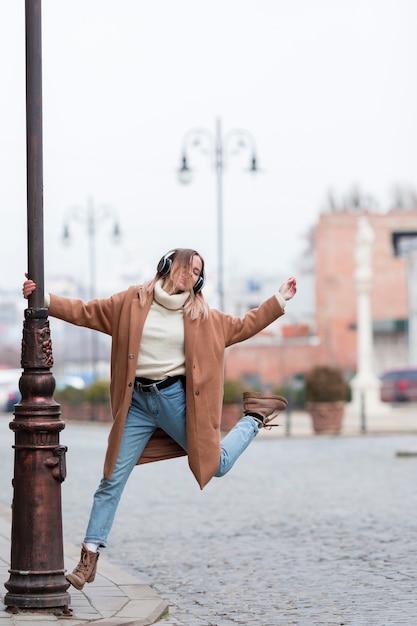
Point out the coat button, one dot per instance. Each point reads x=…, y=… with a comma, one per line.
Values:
x=197, y=393
x=130, y=384
x=131, y=356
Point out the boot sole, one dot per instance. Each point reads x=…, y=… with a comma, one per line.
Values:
x=74, y=583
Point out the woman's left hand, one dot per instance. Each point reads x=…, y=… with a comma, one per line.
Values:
x=288, y=289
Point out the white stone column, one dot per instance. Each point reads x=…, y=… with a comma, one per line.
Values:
x=365, y=384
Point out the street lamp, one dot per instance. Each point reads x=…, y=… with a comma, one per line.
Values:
x=92, y=217
x=218, y=145
x=37, y=558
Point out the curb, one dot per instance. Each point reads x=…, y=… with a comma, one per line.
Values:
x=116, y=598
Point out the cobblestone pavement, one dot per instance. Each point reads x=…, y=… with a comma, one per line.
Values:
x=306, y=531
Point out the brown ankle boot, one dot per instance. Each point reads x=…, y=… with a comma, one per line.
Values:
x=85, y=572
x=266, y=407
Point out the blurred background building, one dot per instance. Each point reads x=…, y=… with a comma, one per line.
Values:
x=319, y=327
x=320, y=324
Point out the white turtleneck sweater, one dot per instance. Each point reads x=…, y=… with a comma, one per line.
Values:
x=161, y=351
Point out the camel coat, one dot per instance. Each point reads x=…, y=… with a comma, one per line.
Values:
x=122, y=317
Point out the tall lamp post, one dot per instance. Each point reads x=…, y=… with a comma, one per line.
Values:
x=37, y=559
x=92, y=217
x=218, y=145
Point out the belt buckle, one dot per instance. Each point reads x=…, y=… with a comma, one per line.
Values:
x=151, y=388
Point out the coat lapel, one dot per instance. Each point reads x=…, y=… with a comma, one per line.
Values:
x=137, y=320
x=191, y=328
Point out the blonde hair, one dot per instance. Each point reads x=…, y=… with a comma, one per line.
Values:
x=195, y=305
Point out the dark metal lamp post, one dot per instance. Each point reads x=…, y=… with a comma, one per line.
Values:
x=37, y=562
x=217, y=146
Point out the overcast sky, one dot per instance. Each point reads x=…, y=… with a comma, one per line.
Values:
x=327, y=88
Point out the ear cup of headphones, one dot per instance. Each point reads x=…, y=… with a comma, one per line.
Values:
x=165, y=264
x=199, y=283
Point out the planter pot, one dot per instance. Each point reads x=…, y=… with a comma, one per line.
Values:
x=327, y=416
x=231, y=414
x=86, y=411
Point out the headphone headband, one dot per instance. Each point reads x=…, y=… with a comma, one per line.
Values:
x=165, y=264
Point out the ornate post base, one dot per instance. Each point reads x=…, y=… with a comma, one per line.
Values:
x=37, y=563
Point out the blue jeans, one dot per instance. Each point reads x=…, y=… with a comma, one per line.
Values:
x=163, y=409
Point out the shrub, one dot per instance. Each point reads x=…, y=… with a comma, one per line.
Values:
x=98, y=391
x=325, y=384
x=233, y=390
x=70, y=395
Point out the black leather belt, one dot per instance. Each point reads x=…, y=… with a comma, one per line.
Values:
x=147, y=385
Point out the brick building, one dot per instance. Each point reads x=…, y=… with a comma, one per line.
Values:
x=285, y=349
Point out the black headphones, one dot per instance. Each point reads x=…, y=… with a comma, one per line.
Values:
x=164, y=268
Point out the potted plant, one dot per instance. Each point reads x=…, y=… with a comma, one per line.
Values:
x=89, y=404
x=98, y=395
x=232, y=404
x=326, y=393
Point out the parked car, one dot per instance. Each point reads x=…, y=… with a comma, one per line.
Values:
x=9, y=383
x=13, y=398
x=399, y=385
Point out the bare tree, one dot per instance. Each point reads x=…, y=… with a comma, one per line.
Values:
x=354, y=200
x=402, y=198
x=357, y=200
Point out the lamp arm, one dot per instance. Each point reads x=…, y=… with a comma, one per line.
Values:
x=192, y=139
x=248, y=144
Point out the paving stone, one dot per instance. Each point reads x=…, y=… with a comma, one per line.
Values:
x=303, y=530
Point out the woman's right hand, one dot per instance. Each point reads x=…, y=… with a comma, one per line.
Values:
x=28, y=287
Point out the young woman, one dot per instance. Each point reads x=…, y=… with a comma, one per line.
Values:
x=166, y=388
